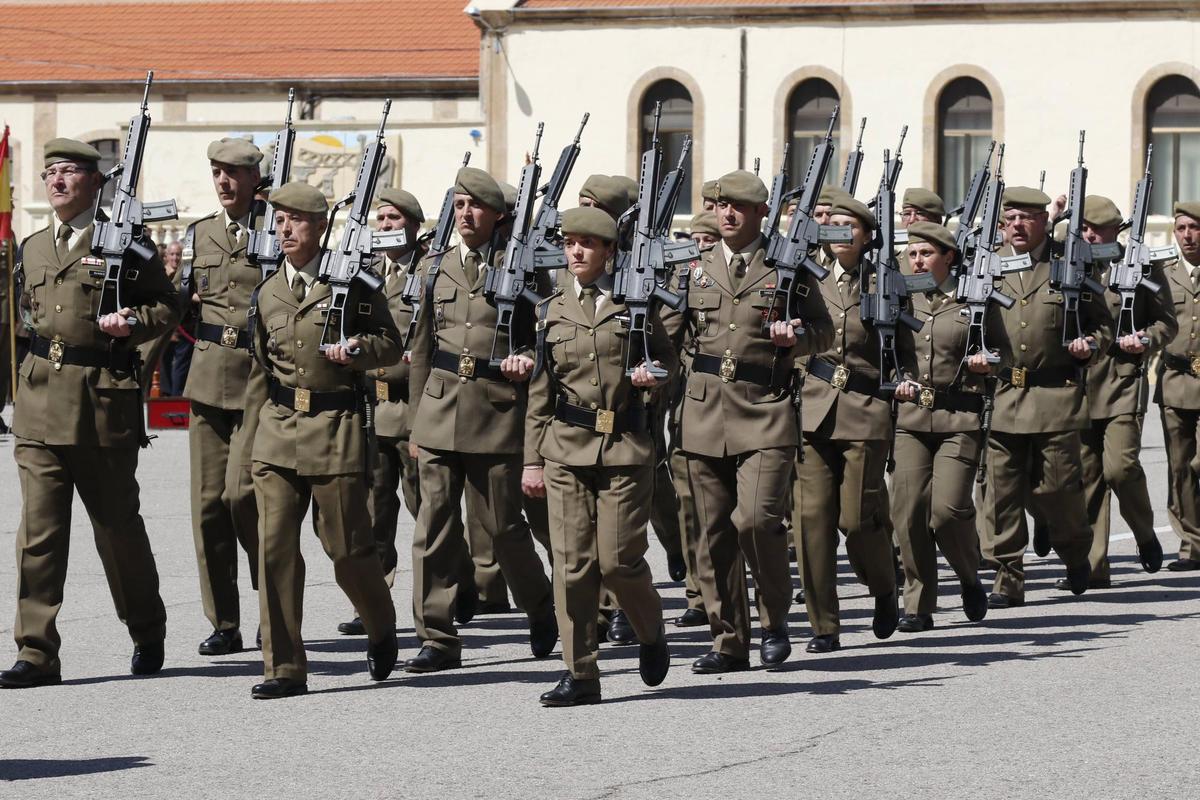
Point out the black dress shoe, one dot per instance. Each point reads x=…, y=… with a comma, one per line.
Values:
x=619, y=630
x=915, y=623
x=799, y=598
x=278, y=688
x=654, y=660
x=691, y=618
x=24, y=675
x=1150, y=554
x=466, y=602
x=572, y=692
x=1079, y=578
x=491, y=607
x=975, y=601
x=887, y=614
x=381, y=657
x=222, y=643
x=715, y=663
x=676, y=566
x=775, y=646
x=1041, y=539
x=823, y=644
x=1183, y=565
x=1064, y=585
x=430, y=659
x=354, y=627
x=997, y=600
x=543, y=635
x=147, y=659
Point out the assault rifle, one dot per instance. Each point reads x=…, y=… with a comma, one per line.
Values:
x=1133, y=271
x=776, y=201
x=854, y=163
x=262, y=246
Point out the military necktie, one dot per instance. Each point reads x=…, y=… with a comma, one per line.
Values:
x=471, y=267
x=63, y=244
x=737, y=271
x=298, y=288
x=588, y=301
x=1195, y=277
x=234, y=233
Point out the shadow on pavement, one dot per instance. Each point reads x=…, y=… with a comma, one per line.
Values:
x=23, y=769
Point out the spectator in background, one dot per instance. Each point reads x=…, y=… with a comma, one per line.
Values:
x=177, y=356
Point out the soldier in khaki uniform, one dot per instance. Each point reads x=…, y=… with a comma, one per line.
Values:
x=589, y=451
x=938, y=438
x=1178, y=391
x=310, y=444
x=921, y=205
x=468, y=423
x=708, y=196
x=1041, y=408
x=1116, y=394
x=738, y=425
x=219, y=279
x=78, y=424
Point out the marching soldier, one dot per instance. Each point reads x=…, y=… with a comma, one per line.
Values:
x=704, y=230
x=1178, y=392
x=708, y=196
x=588, y=449
x=938, y=438
x=606, y=193
x=1116, y=393
x=310, y=444
x=219, y=280
x=1041, y=408
x=921, y=205
x=78, y=424
x=738, y=426
x=467, y=431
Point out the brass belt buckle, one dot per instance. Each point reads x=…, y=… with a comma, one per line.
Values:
x=381, y=391
x=728, y=370
x=466, y=366
x=925, y=398
x=1196, y=366
x=303, y=400
x=229, y=336
x=841, y=377
x=605, y=421
x=1019, y=375
x=55, y=356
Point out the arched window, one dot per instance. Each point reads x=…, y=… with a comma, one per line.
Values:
x=964, y=133
x=1173, y=119
x=808, y=109
x=109, y=152
x=673, y=128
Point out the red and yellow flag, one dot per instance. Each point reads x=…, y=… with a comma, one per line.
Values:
x=6, y=206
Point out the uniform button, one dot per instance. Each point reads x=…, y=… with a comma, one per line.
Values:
x=736, y=301
x=233, y=284
x=58, y=309
x=232, y=308
x=592, y=406
x=728, y=352
x=595, y=382
x=927, y=337
x=299, y=316
x=471, y=295
x=380, y=372
x=842, y=315
x=838, y=331
x=732, y=327
x=1192, y=335
x=591, y=356
x=58, y=282
x=468, y=325
x=1023, y=348
x=300, y=345
x=1024, y=302
x=839, y=349
x=1193, y=316
x=925, y=377
x=300, y=371
x=591, y=331
x=927, y=356
x=462, y=380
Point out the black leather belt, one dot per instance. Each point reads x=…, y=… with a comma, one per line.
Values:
x=1046, y=377
x=391, y=391
x=948, y=400
x=307, y=401
x=58, y=352
x=601, y=420
x=840, y=377
x=465, y=366
x=1188, y=365
x=731, y=368
x=224, y=335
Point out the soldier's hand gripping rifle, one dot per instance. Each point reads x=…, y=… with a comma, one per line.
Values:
x=350, y=262
x=1133, y=272
x=262, y=246
x=118, y=234
x=1071, y=272
x=854, y=163
x=532, y=245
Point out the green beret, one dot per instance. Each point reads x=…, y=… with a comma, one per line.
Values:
x=924, y=200
x=481, y=186
x=300, y=196
x=57, y=150
x=1025, y=197
x=629, y=185
x=402, y=200
x=589, y=221
x=848, y=205
x=235, y=152
x=607, y=192
x=932, y=233
x=510, y=195
x=708, y=191
x=832, y=195
x=705, y=223
x=1191, y=209
x=1098, y=210
x=741, y=186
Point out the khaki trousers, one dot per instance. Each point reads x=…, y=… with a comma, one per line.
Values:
x=932, y=503
x=394, y=477
x=224, y=513
x=344, y=527
x=740, y=503
x=598, y=519
x=1110, y=462
x=1040, y=471
x=841, y=489
x=493, y=484
x=1181, y=427
x=105, y=479
x=689, y=528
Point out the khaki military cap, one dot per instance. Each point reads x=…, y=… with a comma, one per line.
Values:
x=629, y=185
x=607, y=192
x=1098, y=210
x=933, y=233
x=708, y=190
x=741, y=186
x=1191, y=209
x=854, y=208
x=924, y=200
x=705, y=223
x=510, y=195
x=589, y=221
x=481, y=186
x=402, y=200
x=1025, y=197
x=832, y=195
x=235, y=152
x=57, y=150
x=300, y=196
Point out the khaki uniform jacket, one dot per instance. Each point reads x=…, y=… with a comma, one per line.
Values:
x=1180, y=389
x=940, y=348
x=1035, y=330
x=287, y=336
x=845, y=415
x=391, y=414
x=224, y=279
x=74, y=405
x=586, y=362
x=719, y=417
x=1114, y=380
